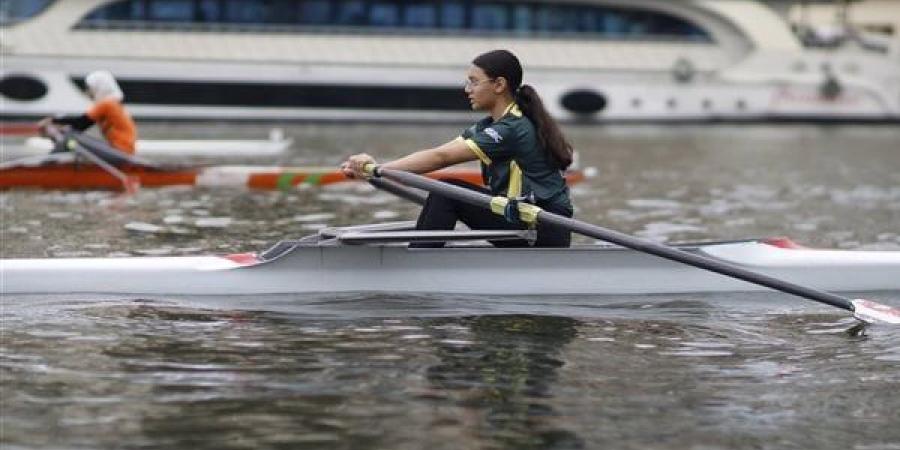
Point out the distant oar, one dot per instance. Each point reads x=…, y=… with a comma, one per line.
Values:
x=129, y=184
x=864, y=310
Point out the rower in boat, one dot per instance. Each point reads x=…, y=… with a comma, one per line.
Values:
x=108, y=111
x=523, y=154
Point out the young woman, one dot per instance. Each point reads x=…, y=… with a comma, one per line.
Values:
x=521, y=149
x=108, y=111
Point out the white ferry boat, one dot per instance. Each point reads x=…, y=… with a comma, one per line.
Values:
x=592, y=60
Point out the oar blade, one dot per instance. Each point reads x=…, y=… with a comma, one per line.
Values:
x=874, y=312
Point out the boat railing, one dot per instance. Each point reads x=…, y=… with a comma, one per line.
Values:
x=391, y=233
x=405, y=232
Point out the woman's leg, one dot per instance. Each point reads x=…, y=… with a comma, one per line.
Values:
x=553, y=236
x=442, y=213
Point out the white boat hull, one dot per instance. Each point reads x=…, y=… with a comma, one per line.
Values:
x=456, y=270
x=189, y=148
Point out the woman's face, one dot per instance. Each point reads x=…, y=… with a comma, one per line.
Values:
x=482, y=90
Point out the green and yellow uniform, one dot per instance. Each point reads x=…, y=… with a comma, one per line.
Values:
x=513, y=163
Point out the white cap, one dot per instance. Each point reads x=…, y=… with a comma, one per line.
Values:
x=101, y=85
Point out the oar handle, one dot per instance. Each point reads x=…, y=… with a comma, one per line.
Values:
x=664, y=251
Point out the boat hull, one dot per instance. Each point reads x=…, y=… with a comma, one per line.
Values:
x=455, y=270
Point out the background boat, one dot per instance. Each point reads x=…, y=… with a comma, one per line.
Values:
x=172, y=148
x=609, y=60
x=63, y=171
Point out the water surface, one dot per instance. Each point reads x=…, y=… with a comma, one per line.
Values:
x=762, y=370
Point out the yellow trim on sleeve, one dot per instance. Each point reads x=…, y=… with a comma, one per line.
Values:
x=515, y=181
x=478, y=152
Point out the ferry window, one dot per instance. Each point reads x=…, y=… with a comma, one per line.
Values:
x=384, y=14
x=522, y=18
x=281, y=12
x=352, y=12
x=242, y=11
x=420, y=15
x=120, y=11
x=557, y=18
x=589, y=21
x=614, y=23
x=12, y=11
x=315, y=12
x=208, y=11
x=489, y=17
x=172, y=10
x=453, y=15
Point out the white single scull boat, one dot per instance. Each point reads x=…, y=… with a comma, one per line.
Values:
x=174, y=148
x=375, y=258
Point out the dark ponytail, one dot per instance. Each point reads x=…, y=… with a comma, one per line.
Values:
x=502, y=63
x=549, y=134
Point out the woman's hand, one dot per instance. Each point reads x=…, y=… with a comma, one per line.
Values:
x=354, y=166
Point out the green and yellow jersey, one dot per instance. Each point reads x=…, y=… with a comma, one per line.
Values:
x=513, y=164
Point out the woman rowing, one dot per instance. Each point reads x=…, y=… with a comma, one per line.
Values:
x=522, y=151
x=108, y=111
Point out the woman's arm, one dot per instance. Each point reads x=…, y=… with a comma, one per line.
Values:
x=79, y=122
x=422, y=161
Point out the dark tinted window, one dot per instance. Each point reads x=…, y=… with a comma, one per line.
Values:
x=242, y=11
x=172, y=10
x=453, y=15
x=315, y=12
x=12, y=11
x=490, y=17
x=209, y=11
x=520, y=18
x=384, y=14
x=421, y=15
x=351, y=12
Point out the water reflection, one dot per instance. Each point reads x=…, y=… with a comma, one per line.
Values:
x=502, y=377
x=164, y=374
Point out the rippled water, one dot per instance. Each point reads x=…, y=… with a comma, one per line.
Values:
x=760, y=370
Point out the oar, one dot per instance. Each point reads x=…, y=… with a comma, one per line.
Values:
x=864, y=310
x=129, y=184
x=413, y=195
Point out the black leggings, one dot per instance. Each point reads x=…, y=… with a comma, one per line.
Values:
x=441, y=213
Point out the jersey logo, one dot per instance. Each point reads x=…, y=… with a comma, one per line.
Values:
x=493, y=134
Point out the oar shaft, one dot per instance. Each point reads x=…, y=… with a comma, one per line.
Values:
x=413, y=195
x=664, y=251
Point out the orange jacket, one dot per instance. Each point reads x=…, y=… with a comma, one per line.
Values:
x=116, y=124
